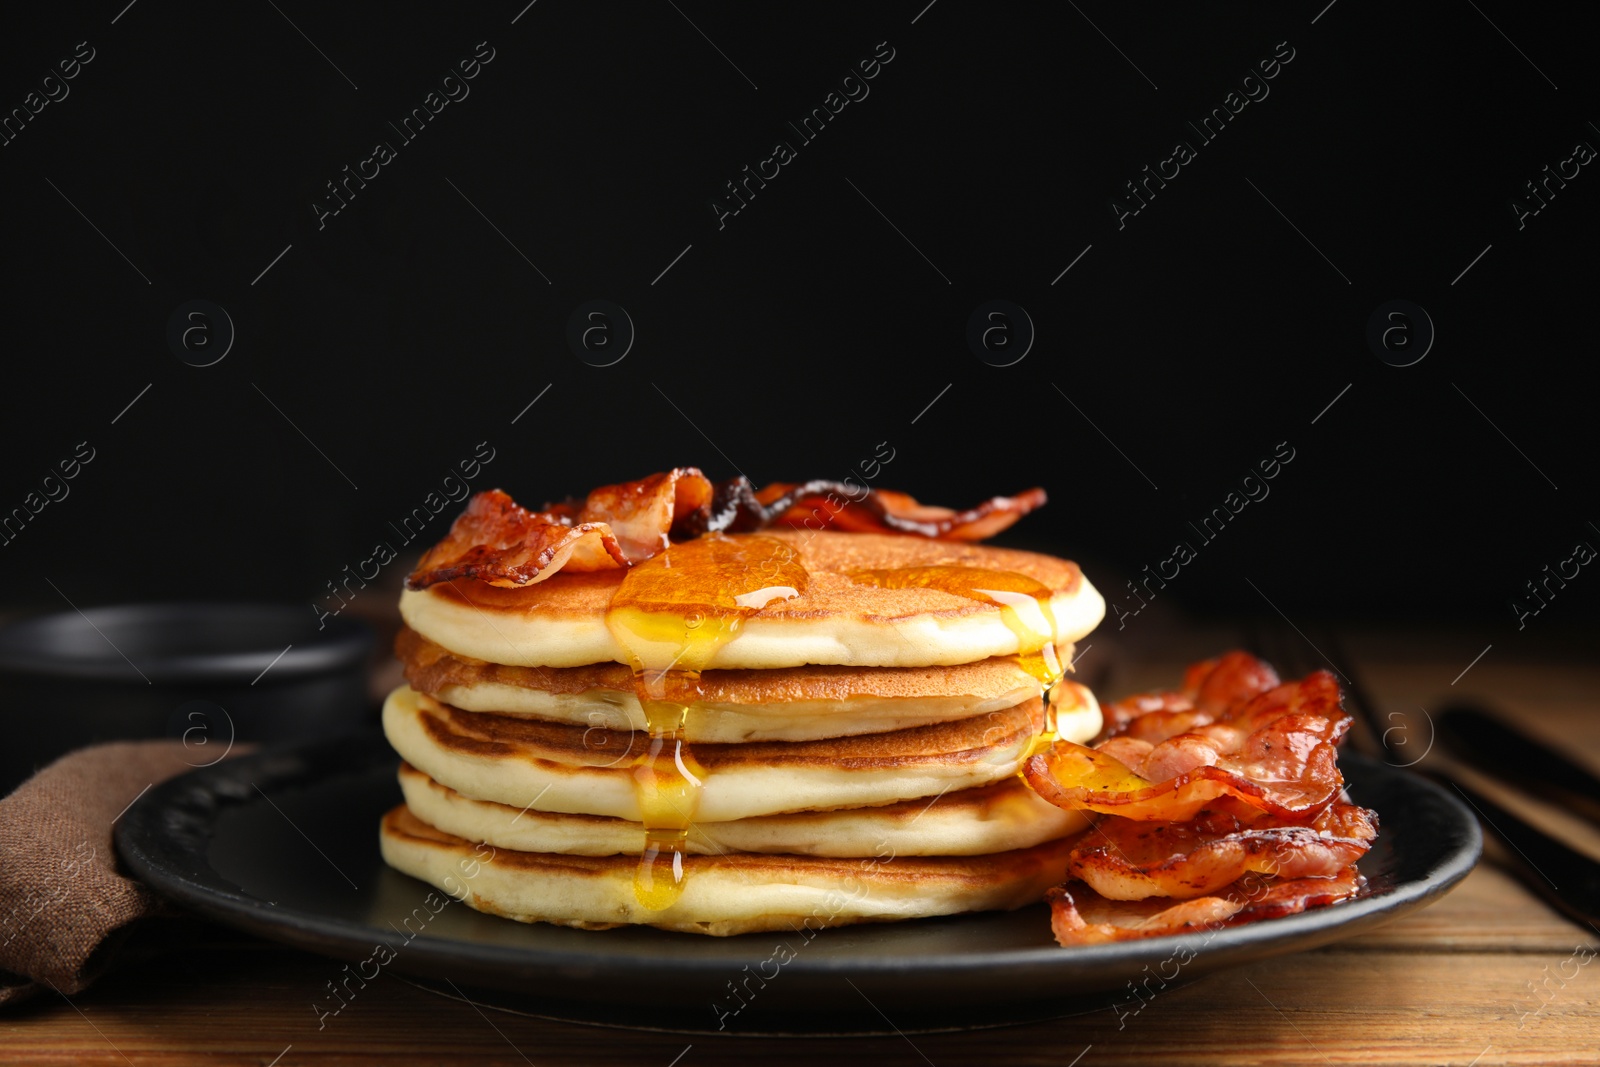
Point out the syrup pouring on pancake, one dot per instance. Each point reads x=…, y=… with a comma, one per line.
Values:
x=672, y=612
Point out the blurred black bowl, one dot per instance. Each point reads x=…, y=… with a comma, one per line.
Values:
x=208, y=674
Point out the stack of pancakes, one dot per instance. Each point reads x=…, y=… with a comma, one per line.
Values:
x=744, y=732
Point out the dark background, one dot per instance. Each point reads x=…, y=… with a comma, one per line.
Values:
x=383, y=347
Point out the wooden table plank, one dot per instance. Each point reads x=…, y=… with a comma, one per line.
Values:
x=1333, y=1005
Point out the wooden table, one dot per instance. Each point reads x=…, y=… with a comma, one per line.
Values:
x=1489, y=975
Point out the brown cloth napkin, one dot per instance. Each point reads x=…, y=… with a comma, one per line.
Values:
x=63, y=905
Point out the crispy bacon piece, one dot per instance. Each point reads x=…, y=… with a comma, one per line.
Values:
x=496, y=541
x=1276, y=752
x=1210, y=688
x=1269, y=898
x=1229, y=681
x=642, y=513
x=853, y=510
x=1080, y=916
x=738, y=507
x=1222, y=804
x=1129, y=859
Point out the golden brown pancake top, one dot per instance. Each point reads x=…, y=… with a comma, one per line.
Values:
x=828, y=557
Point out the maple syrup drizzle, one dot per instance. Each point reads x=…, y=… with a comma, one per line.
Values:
x=1024, y=606
x=671, y=614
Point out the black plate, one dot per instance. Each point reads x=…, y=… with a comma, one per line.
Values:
x=284, y=844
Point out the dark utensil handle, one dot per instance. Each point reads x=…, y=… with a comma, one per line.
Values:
x=1565, y=877
x=1485, y=743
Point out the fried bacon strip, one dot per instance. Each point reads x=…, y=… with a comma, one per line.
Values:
x=1210, y=688
x=495, y=540
x=1276, y=752
x=1080, y=916
x=853, y=509
x=1220, y=803
x=499, y=542
x=1129, y=859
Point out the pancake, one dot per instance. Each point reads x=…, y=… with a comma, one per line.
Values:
x=736, y=893
x=837, y=618
x=1000, y=817
x=787, y=704
x=555, y=767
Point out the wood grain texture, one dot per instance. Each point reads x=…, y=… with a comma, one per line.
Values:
x=1488, y=975
x=1338, y=1005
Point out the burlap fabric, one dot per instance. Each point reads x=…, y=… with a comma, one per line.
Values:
x=64, y=907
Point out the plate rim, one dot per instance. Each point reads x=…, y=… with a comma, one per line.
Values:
x=150, y=856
